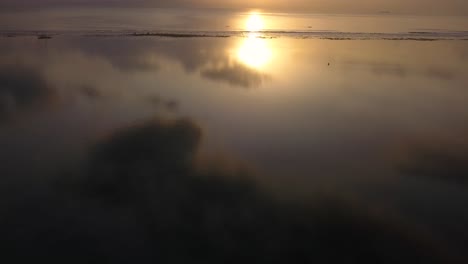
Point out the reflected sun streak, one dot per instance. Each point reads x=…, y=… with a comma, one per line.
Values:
x=254, y=51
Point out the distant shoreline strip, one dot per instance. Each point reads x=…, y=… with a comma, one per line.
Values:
x=327, y=35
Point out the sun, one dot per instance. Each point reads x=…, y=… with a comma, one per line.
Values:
x=254, y=23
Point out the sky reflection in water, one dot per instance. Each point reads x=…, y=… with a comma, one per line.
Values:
x=291, y=107
x=387, y=129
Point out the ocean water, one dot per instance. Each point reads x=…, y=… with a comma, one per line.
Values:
x=125, y=20
x=125, y=135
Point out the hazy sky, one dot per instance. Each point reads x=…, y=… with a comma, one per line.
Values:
x=339, y=6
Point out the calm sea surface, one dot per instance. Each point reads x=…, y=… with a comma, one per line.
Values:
x=123, y=19
x=381, y=123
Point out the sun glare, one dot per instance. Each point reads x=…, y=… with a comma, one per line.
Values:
x=254, y=23
x=254, y=52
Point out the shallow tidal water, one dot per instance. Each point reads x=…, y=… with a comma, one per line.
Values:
x=378, y=125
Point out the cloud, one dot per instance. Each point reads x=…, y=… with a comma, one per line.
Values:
x=208, y=58
x=445, y=160
x=157, y=146
x=123, y=54
x=235, y=74
x=404, y=71
x=22, y=88
x=91, y=92
x=211, y=60
x=141, y=197
x=169, y=105
x=441, y=73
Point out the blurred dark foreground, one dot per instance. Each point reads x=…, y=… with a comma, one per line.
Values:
x=141, y=197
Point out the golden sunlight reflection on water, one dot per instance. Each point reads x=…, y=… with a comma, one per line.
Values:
x=254, y=51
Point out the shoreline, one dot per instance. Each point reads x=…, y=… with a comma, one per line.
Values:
x=327, y=35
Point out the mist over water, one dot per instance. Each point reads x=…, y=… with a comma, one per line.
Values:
x=171, y=139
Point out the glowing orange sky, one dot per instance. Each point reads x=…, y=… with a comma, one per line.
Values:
x=316, y=6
